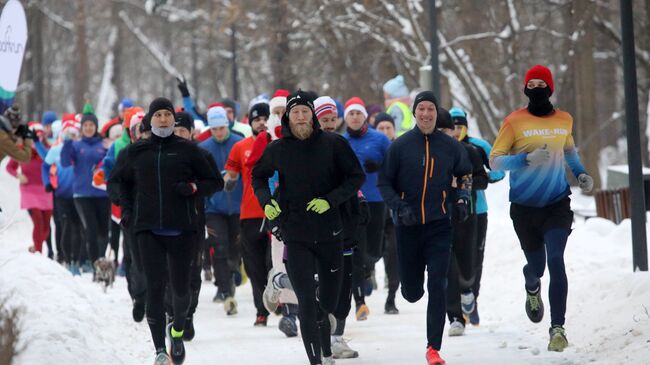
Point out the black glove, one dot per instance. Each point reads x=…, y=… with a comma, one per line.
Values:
x=371, y=166
x=274, y=228
x=31, y=134
x=49, y=188
x=182, y=86
x=21, y=131
x=229, y=185
x=406, y=215
x=184, y=189
x=460, y=211
x=125, y=222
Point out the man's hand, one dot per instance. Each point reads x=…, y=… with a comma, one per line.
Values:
x=272, y=210
x=585, y=182
x=538, y=157
x=406, y=215
x=318, y=205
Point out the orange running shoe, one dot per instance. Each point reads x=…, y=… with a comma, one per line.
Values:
x=433, y=357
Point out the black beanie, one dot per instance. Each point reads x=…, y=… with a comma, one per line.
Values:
x=444, y=119
x=184, y=119
x=88, y=117
x=299, y=98
x=425, y=96
x=258, y=110
x=160, y=104
x=384, y=117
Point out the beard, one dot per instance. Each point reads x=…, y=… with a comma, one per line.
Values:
x=302, y=131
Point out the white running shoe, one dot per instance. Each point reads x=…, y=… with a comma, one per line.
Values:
x=341, y=350
x=457, y=328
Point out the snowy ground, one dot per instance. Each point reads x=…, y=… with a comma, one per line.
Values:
x=70, y=320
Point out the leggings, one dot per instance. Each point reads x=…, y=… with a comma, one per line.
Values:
x=305, y=260
x=94, y=215
x=71, y=232
x=345, y=295
x=166, y=259
x=40, y=232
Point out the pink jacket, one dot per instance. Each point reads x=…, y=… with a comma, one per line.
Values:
x=32, y=194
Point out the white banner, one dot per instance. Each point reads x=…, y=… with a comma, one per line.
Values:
x=13, y=40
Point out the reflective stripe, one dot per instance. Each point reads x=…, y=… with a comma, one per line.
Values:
x=444, y=199
x=426, y=171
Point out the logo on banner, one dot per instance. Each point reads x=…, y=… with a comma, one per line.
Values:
x=13, y=38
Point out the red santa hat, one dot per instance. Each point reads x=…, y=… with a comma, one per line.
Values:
x=355, y=103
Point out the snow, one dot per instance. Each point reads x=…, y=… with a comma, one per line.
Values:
x=71, y=321
x=625, y=168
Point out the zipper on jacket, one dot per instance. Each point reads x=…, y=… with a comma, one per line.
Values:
x=426, y=172
x=160, y=186
x=433, y=162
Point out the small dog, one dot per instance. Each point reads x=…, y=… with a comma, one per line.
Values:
x=104, y=272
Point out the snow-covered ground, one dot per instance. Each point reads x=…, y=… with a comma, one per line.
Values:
x=70, y=320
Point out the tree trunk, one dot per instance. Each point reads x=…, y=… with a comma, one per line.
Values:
x=283, y=77
x=81, y=80
x=586, y=121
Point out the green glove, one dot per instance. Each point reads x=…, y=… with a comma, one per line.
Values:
x=318, y=205
x=272, y=210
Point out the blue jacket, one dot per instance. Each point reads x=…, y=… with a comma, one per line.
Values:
x=64, y=175
x=109, y=161
x=371, y=146
x=418, y=170
x=85, y=155
x=493, y=176
x=223, y=202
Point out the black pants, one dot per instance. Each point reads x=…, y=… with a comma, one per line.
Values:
x=94, y=215
x=345, y=295
x=462, y=266
x=371, y=239
x=166, y=259
x=256, y=250
x=390, y=258
x=58, y=231
x=135, y=280
x=114, y=240
x=304, y=261
x=427, y=247
x=481, y=233
x=223, y=231
x=71, y=229
x=195, y=280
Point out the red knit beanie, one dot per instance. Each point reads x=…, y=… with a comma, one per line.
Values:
x=542, y=73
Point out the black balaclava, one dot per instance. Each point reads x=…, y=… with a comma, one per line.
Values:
x=539, y=103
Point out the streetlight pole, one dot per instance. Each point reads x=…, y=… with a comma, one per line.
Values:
x=639, y=240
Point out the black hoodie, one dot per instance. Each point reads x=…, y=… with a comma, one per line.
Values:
x=321, y=166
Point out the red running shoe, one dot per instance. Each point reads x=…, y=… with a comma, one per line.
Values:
x=260, y=321
x=433, y=357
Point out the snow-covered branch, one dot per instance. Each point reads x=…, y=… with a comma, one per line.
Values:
x=161, y=57
x=55, y=18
